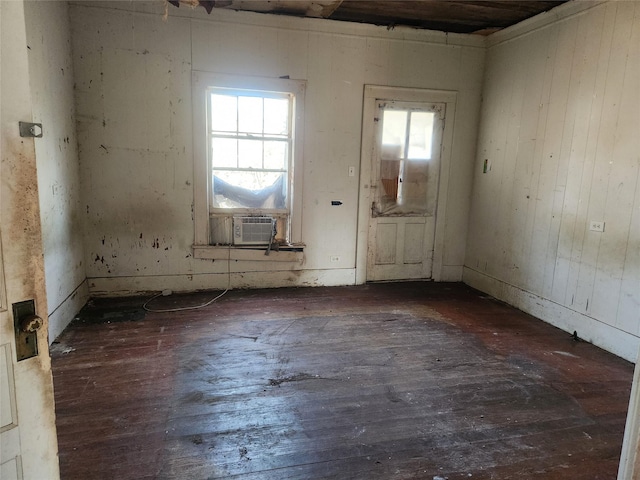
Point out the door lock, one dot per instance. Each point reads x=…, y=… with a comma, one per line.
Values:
x=26, y=325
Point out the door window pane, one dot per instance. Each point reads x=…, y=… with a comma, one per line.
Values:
x=420, y=135
x=406, y=179
x=394, y=133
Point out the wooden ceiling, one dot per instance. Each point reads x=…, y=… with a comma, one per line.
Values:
x=456, y=16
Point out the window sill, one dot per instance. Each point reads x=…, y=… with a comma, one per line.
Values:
x=292, y=254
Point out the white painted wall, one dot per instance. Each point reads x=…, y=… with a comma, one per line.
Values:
x=133, y=93
x=51, y=83
x=559, y=130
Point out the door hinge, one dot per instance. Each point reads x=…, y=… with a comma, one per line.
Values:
x=33, y=130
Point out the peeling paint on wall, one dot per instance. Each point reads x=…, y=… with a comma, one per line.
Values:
x=135, y=127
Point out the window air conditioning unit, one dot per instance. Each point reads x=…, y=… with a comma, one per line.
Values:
x=253, y=230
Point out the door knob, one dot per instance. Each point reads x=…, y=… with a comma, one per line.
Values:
x=25, y=325
x=30, y=324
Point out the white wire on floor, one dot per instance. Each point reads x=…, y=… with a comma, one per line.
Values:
x=193, y=307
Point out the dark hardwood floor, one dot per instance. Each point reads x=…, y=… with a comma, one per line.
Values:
x=385, y=381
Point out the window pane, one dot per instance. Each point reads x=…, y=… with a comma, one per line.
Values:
x=224, y=113
x=420, y=135
x=276, y=116
x=249, y=190
x=275, y=155
x=224, y=152
x=415, y=184
x=250, y=114
x=394, y=125
x=250, y=153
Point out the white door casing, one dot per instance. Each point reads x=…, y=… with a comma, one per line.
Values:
x=400, y=243
x=28, y=444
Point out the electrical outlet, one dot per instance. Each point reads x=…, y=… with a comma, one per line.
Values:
x=334, y=258
x=352, y=171
x=596, y=226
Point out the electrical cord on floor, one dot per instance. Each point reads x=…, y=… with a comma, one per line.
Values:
x=178, y=309
x=193, y=307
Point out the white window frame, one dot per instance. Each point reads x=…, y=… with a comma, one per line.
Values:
x=202, y=211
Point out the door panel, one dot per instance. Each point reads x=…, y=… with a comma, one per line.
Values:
x=7, y=390
x=399, y=250
x=385, y=249
x=11, y=470
x=405, y=164
x=414, y=243
x=10, y=466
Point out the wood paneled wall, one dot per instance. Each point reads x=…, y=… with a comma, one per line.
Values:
x=133, y=92
x=560, y=134
x=52, y=91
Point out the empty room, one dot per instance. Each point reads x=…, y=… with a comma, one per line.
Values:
x=320, y=239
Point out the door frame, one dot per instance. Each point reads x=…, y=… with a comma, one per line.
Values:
x=373, y=94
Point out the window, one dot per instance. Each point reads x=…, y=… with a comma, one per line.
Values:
x=250, y=144
x=247, y=154
x=407, y=134
x=406, y=140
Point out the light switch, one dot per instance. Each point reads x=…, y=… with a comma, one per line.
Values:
x=596, y=226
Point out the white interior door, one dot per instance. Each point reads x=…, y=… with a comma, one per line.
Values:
x=405, y=167
x=10, y=457
x=28, y=445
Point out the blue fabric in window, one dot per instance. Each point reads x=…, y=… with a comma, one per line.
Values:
x=268, y=197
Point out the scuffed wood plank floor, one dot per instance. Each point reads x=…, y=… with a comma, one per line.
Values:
x=390, y=381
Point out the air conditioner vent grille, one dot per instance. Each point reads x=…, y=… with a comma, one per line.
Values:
x=253, y=230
